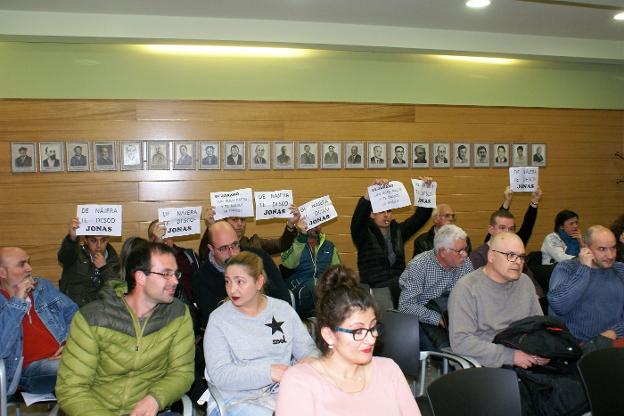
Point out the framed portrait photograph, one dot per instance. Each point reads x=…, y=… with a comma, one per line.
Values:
x=23, y=158
x=234, y=155
x=78, y=157
x=158, y=155
x=461, y=155
x=420, y=155
x=283, y=155
x=441, y=155
x=519, y=154
x=259, y=155
x=209, y=155
x=131, y=155
x=308, y=152
x=105, y=156
x=399, y=155
x=482, y=155
x=538, y=154
x=51, y=156
x=184, y=155
x=501, y=155
x=376, y=155
x=354, y=155
x=332, y=156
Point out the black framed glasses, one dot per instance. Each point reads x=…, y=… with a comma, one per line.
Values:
x=511, y=256
x=224, y=249
x=360, y=333
x=460, y=251
x=168, y=275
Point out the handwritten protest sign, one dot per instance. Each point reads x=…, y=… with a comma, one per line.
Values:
x=237, y=203
x=99, y=219
x=523, y=179
x=389, y=196
x=424, y=196
x=180, y=221
x=275, y=204
x=318, y=211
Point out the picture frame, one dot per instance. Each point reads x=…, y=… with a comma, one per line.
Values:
x=377, y=156
x=184, y=155
x=23, y=157
x=482, y=155
x=131, y=155
x=332, y=155
x=283, y=155
x=501, y=155
x=78, y=156
x=104, y=156
x=158, y=154
x=355, y=155
x=441, y=155
x=259, y=155
x=209, y=154
x=234, y=155
x=420, y=155
x=400, y=154
x=538, y=154
x=461, y=155
x=520, y=154
x=51, y=157
x=308, y=155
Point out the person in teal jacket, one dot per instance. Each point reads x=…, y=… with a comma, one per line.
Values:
x=306, y=259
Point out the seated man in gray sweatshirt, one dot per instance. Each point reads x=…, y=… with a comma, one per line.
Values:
x=488, y=300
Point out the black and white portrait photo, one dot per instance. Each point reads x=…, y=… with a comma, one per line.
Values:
x=209, y=155
x=131, y=155
x=283, y=155
x=400, y=154
x=105, y=156
x=78, y=159
x=158, y=155
x=259, y=155
x=234, y=155
x=376, y=155
x=461, y=155
x=538, y=154
x=184, y=155
x=501, y=154
x=441, y=155
x=481, y=155
x=519, y=154
x=354, y=155
x=331, y=155
x=51, y=156
x=23, y=157
x=308, y=152
x=420, y=155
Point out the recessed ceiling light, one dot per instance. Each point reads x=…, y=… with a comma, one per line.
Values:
x=477, y=4
x=478, y=59
x=619, y=16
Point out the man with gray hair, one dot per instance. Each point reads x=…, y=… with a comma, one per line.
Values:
x=432, y=274
x=442, y=214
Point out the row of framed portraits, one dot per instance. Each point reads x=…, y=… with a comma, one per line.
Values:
x=184, y=154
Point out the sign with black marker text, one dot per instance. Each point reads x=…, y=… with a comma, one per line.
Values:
x=424, y=195
x=318, y=211
x=237, y=203
x=523, y=179
x=389, y=196
x=180, y=221
x=274, y=204
x=99, y=220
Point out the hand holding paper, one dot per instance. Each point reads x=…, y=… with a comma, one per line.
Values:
x=388, y=196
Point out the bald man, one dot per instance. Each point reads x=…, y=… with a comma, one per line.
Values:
x=34, y=323
x=442, y=214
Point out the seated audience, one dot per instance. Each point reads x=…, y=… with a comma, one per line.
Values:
x=618, y=230
x=86, y=266
x=565, y=242
x=347, y=379
x=587, y=292
x=442, y=214
x=433, y=274
x=209, y=284
x=309, y=256
x=380, y=240
x=251, y=339
x=269, y=245
x=132, y=350
x=34, y=322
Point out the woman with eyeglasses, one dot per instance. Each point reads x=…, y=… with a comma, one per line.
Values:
x=250, y=340
x=346, y=380
x=566, y=241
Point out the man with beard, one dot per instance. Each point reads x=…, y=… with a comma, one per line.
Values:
x=51, y=161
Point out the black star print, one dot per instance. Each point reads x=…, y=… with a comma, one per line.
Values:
x=275, y=326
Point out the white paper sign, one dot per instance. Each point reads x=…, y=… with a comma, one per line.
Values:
x=390, y=196
x=99, y=219
x=523, y=179
x=237, y=203
x=180, y=221
x=424, y=196
x=275, y=204
x=318, y=211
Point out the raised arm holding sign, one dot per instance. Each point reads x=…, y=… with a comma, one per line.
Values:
x=523, y=179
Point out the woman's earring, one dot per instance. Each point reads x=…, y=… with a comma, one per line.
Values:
x=330, y=346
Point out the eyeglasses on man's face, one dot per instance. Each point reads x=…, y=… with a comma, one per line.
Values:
x=461, y=251
x=168, y=275
x=359, y=334
x=228, y=247
x=511, y=256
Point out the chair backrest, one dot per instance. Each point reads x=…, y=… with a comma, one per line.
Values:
x=602, y=372
x=400, y=341
x=3, y=389
x=476, y=392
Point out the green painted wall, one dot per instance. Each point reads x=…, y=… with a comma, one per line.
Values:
x=110, y=71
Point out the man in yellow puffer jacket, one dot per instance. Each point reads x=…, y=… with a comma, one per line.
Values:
x=131, y=351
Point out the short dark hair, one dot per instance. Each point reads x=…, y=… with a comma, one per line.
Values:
x=501, y=213
x=562, y=217
x=77, y=147
x=234, y=146
x=140, y=259
x=22, y=148
x=481, y=148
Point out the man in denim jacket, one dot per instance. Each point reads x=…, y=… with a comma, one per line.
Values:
x=34, y=323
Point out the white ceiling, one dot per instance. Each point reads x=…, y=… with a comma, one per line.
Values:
x=520, y=27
